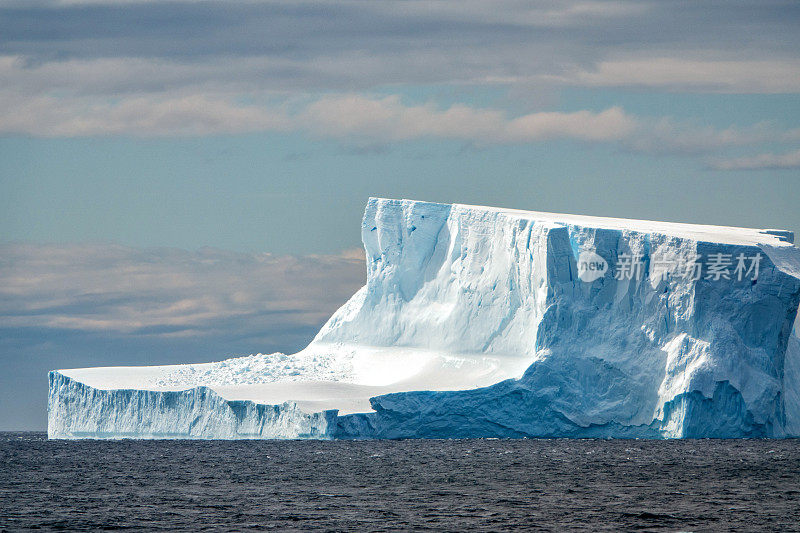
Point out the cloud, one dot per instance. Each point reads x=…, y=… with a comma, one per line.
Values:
x=388, y=119
x=247, y=46
x=164, y=292
x=758, y=162
x=142, y=116
x=369, y=123
x=153, y=68
x=675, y=73
x=668, y=136
x=609, y=125
x=344, y=117
x=186, y=68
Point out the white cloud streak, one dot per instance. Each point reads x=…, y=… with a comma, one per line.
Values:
x=676, y=73
x=358, y=119
x=191, y=115
x=350, y=116
x=759, y=162
x=387, y=119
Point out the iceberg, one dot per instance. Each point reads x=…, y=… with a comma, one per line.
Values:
x=485, y=322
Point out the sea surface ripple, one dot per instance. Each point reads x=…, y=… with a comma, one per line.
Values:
x=454, y=485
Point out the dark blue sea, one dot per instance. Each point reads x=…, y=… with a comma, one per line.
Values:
x=450, y=485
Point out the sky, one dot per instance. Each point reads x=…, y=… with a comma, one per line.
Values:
x=183, y=181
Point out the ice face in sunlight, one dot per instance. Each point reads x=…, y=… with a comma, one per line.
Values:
x=483, y=322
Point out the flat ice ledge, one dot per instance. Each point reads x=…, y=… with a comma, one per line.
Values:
x=697, y=232
x=324, y=376
x=76, y=410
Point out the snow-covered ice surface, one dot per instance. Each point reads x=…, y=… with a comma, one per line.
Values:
x=474, y=322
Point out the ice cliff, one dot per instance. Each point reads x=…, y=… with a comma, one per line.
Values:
x=483, y=322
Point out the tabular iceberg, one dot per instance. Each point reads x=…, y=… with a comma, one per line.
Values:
x=484, y=322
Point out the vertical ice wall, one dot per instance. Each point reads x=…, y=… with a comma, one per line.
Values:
x=76, y=410
x=672, y=354
x=449, y=278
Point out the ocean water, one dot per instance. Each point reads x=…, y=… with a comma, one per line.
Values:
x=458, y=485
